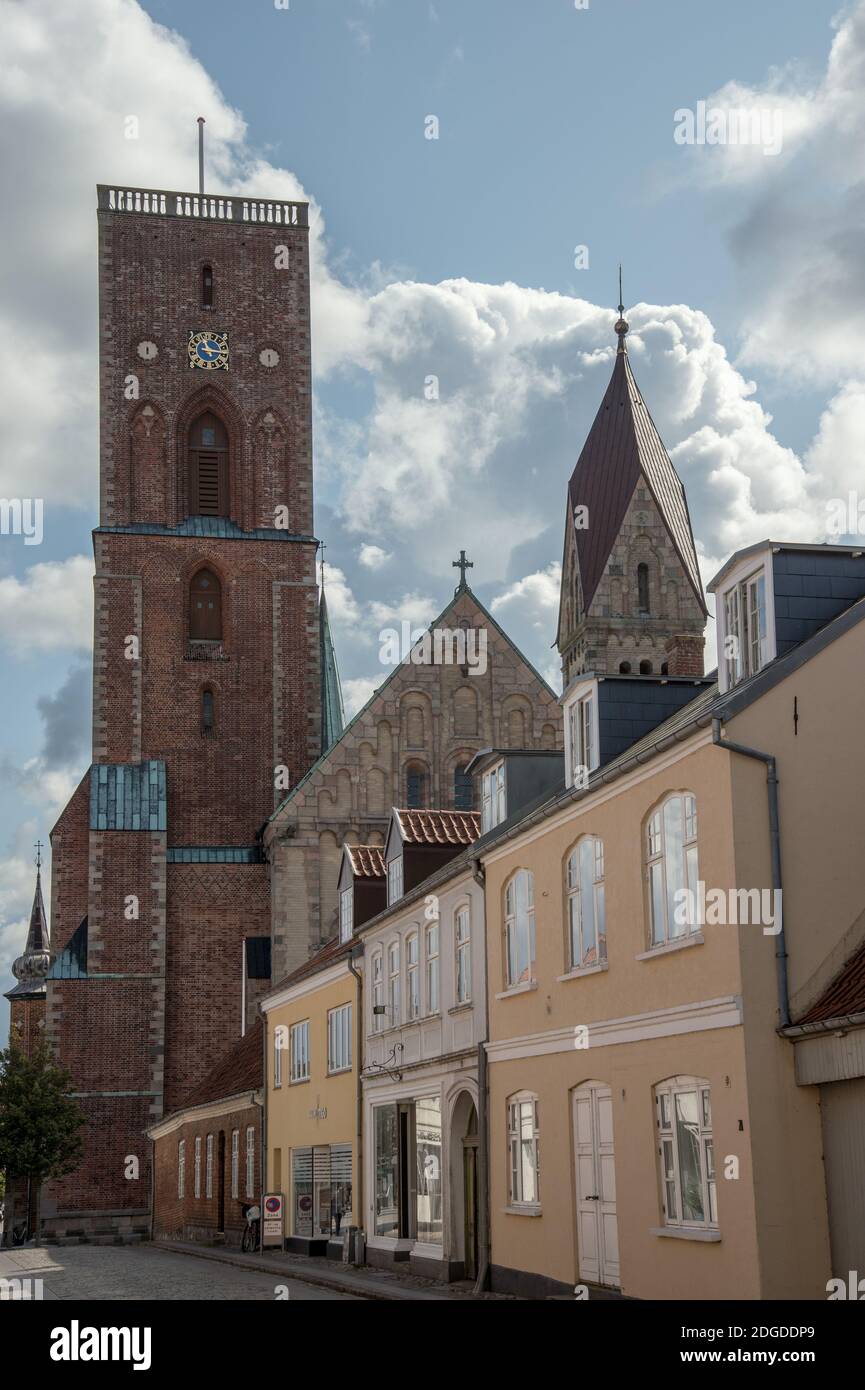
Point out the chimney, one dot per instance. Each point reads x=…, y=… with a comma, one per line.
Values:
x=685, y=654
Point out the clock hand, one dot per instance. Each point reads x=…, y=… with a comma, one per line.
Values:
x=208, y=351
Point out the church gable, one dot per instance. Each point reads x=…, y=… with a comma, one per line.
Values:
x=467, y=688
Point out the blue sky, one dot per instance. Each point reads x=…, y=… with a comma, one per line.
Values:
x=454, y=256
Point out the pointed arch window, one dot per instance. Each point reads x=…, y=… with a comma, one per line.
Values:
x=208, y=466
x=205, y=608
x=643, y=588
x=207, y=286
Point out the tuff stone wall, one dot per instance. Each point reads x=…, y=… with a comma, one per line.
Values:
x=433, y=717
x=613, y=631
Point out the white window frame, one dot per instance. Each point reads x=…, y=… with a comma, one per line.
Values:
x=377, y=977
x=581, y=731
x=181, y=1168
x=669, y=1152
x=575, y=889
x=208, y=1167
x=394, y=880
x=463, y=954
x=339, y=1039
x=518, y=924
x=346, y=914
x=250, y=1161
x=734, y=611
x=235, y=1163
x=196, y=1185
x=523, y=1129
x=664, y=874
x=299, y=1050
x=278, y=1049
x=393, y=984
x=493, y=800
x=432, y=993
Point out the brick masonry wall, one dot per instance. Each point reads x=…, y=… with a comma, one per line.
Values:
x=175, y=1006
x=27, y=1022
x=150, y=292
x=211, y=908
x=197, y=1218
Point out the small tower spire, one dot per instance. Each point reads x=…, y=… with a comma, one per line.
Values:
x=622, y=324
x=31, y=968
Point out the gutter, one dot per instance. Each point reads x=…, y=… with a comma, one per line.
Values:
x=775, y=839
x=262, y=1162
x=357, y=954
x=484, y=1220
x=842, y=1024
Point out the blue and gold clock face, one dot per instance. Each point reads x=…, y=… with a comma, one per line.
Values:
x=208, y=351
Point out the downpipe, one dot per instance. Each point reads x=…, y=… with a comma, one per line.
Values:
x=775, y=842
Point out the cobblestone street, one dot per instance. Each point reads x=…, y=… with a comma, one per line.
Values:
x=135, y=1273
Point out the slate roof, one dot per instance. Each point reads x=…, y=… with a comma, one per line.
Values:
x=71, y=963
x=241, y=1070
x=622, y=444
x=128, y=796
x=216, y=526
x=31, y=968
x=367, y=861
x=439, y=827
x=332, y=713
x=215, y=854
x=844, y=996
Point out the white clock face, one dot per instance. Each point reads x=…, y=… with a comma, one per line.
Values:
x=268, y=357
x=147, y=351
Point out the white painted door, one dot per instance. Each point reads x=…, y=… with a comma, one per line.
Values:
x=597, y=1232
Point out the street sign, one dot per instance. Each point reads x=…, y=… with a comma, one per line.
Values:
x=272, y=1219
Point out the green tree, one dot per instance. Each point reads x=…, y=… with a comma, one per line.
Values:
x=39, y=1121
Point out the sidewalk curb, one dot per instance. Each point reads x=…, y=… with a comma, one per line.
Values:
x=373, y=1294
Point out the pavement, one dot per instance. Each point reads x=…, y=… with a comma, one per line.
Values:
x=140, y=1273
x=364, y=1282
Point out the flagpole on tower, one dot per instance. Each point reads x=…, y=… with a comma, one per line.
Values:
x=201, y=154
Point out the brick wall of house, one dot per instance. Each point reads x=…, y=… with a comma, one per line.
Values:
x=197, y=1218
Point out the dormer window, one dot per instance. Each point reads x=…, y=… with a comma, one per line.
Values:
x=745, y=641
x=394, y=880
x=493, y=808
x=346, y=914
x=581, y=734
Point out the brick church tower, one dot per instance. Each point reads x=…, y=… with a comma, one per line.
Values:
x=207, y=698
x=631, y=599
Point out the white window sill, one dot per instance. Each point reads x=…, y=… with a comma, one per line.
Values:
x=461, y=1008
x=299, y=1081
x=695, y=939
x=584, y=970
x=518, y=989
x=522, y=1211
x=338, y=1071
x=706, y=1233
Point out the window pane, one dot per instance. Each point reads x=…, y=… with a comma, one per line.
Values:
x=656, y=883
x=688, y=1142
x=386, y=1171
x=428, y=1144
x=674, y=862
x=528, y=1174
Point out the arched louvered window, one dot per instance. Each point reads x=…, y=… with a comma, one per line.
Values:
x=207, y=287
x=205, y=608
x=208, y=467
x=208, y=712
x=643, y=588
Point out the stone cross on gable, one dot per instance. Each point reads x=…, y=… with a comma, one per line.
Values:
x=462, y=564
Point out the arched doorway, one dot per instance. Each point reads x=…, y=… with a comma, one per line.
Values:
x=464, y=1184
